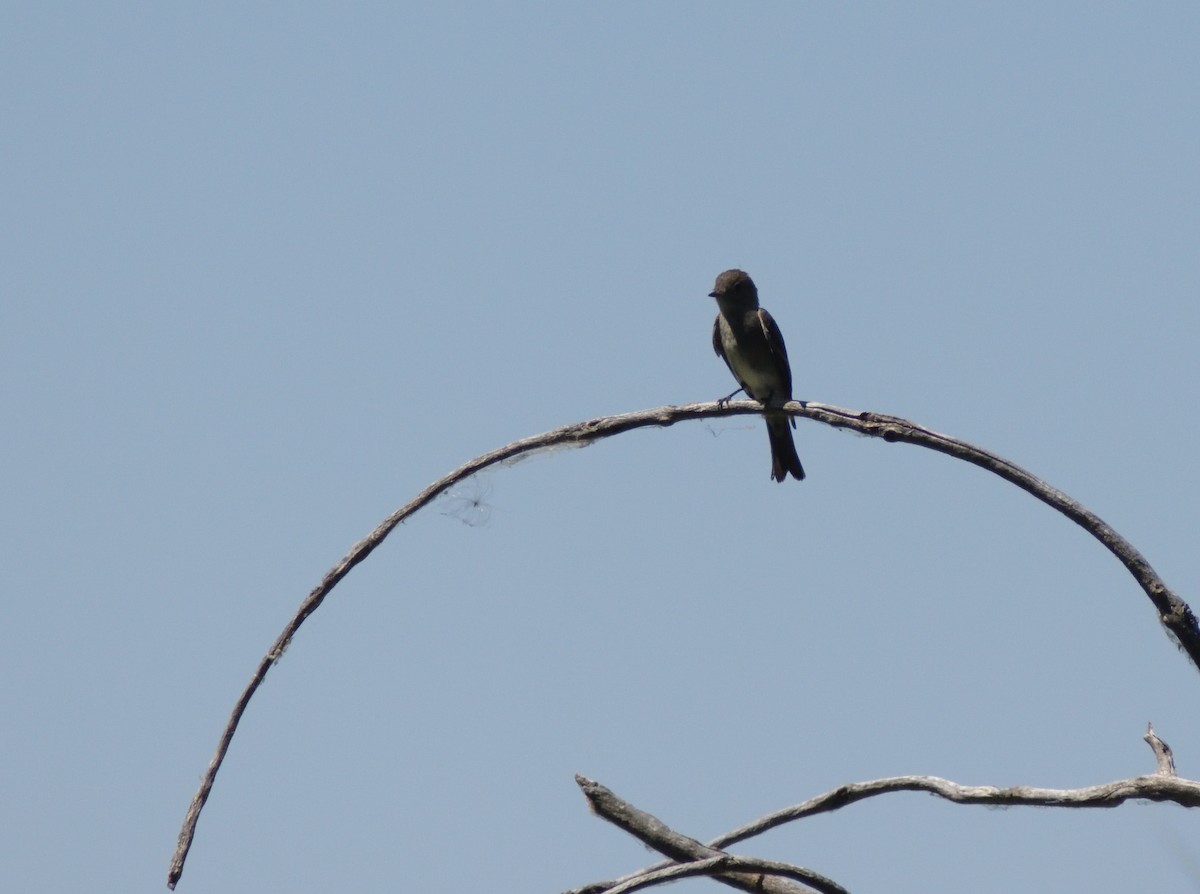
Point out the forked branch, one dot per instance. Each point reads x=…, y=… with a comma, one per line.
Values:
x=704, y=859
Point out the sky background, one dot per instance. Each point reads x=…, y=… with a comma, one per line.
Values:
x=268, y=270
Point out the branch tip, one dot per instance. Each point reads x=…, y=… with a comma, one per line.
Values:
x=1162, y=752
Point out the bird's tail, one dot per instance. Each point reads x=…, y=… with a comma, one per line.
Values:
x=784, y=460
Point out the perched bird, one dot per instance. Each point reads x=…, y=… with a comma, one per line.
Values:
x=747, y=339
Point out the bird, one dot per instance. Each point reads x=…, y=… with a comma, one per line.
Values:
x=747, y=338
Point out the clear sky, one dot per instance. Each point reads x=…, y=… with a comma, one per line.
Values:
x=270, y=269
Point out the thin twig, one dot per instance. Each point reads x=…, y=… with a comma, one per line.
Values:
x=714, y=866
x=1174, y=613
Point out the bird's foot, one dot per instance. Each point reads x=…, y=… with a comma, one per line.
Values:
x=722, y=401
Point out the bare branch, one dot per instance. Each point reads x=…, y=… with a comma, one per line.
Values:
x=1161, y=786
x=652, y=831
x=1156, y=787
x=1173, y=612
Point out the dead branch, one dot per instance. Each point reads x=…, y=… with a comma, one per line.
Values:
x=1173, y=612
x=654, y=832
x=1162, y=751
x=714, y=866
x=1163, y=785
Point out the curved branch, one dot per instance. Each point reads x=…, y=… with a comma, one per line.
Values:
x=714, y=866
x=1174, y=613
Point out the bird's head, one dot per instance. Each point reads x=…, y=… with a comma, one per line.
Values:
x=735, y=288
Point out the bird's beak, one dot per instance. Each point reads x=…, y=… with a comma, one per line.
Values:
x=712, y=294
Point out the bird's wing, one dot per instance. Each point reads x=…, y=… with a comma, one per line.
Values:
x=778, y=352
x=719, y=347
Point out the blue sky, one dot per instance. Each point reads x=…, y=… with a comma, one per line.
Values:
x=270, y=269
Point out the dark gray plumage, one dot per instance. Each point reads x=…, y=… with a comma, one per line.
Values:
x=748, y=340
